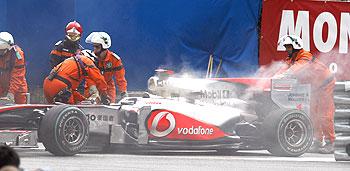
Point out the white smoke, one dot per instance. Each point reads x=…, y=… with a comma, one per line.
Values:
x=338, y=64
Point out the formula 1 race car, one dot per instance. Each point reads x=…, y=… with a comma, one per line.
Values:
x=216, y=118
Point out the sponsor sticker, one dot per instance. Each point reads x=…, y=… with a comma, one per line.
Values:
x=178, y=126
x=195, y=131
x=156, y=120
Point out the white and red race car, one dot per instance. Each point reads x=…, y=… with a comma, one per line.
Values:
x=219, y=117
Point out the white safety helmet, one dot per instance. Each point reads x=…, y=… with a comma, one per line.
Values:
x=293, y=40
x=6, y=40
x=99, y=38
x=88, y=53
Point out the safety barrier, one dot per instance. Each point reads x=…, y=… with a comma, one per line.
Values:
x=342, y=121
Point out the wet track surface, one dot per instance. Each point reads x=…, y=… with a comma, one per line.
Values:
x=178, y=160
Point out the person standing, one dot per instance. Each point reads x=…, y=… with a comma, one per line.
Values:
x=69, y=46
x=13, y=84
x=309, y=70
x=109, y=63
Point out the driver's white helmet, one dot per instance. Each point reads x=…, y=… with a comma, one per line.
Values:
x=99, y=38
x=293, y=40
x=6, y=40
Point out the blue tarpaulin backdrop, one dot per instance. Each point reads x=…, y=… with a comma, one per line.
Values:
x=147, y=34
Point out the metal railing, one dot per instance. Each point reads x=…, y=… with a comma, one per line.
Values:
x=342, y=121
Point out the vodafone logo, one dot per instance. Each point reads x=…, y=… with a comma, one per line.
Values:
x=156, y=121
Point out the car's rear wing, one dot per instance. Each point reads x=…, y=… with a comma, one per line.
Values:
x=289, y=94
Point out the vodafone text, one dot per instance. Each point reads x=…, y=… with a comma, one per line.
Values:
x=195, y=131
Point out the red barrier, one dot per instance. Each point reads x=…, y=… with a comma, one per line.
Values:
x=324, y=27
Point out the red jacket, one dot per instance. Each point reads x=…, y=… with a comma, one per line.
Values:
x=309, y=69
x=69, y=70
x=110, y=67
x=12, y=72
x=63, y=50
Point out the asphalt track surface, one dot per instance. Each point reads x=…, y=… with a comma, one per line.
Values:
x=32, y=159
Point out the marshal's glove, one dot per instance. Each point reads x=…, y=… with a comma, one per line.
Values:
x=123, y=94
x=105, y=99
x=9, y=97
x=94, y=98
x=94, y=95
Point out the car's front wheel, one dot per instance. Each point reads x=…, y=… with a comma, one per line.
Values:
x=64, y=130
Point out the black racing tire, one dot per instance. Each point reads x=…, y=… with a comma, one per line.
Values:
x=287, y=132
x=64, y=130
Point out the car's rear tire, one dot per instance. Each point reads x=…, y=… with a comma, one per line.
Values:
x=287, y=133
x=64, y=130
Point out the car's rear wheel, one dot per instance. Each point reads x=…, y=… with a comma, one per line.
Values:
x=287, y=132
x=64, y=130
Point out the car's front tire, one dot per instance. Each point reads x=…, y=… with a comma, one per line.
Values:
x=64, y=130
